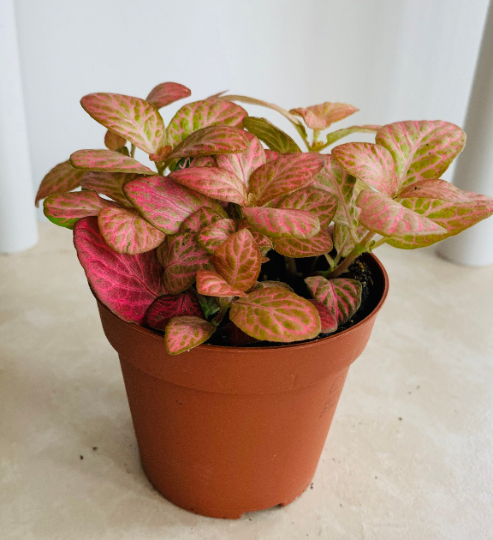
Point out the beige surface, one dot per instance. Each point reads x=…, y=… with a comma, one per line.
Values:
x=409, y=456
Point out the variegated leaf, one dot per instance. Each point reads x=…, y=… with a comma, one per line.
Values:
x=125, y=231
x=312, y=199
x=238, y=260
x=271, y=135
x=271, y=283
x=133, y=118
x=343, y=241
x=344, y=132
x=275, y=314
x=126, y=284
x=202, y=218
x=436, y=189
x=341, y=296
x=62, y=178
x=109, y=184
x=217, y=183
x=388, y=217
x=182, y=257
x=113, y=141
x=185, y=333
x=107, y=160
x=244, y=163
x=65, y=209
x=203, y=161
x=210, y=306
x=210, y=283
x=327, y=318
x=168, y=306
x=254, y=101
x=421, y=150
x=322, y=116
x=166, y=93
x=263, y=241
x=212, y=236
x=370, y=163
x=201, y=114
x=282, y=176
x=281, y=223
x=312, y=247
x=270, y=155
x=164, y=203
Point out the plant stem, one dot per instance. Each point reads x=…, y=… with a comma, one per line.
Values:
x=132, y=150
x=378, y=243
x=217, y=320
x=291, y=267
x=357, y=251
x=330, y=260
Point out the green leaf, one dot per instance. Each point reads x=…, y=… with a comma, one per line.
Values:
x=271, y=135
x=341, y=133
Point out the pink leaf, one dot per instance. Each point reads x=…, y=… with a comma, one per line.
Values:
x=279, y=223
x=335, y=136
x=275, y=314
x=327, y=318
x=202, y=218
x=109, y=184
x=341, y=296
x=65, y=209
x=113, y=141
x=126, y=284
x=312, y=199
x=212, y=236
x=185, y=333
x=323, y=115
x=214, y=182
x=271, y=135
x=133, y=118
x=244, y=163
x=294, y=247
x=182, y=257
x=237, y=260
x=203, y=161
x=212, y=284
x=436, y=189
x=125, y=231
x=271, y=155
x=389, y=218
x=271, y=283
x=107, y=160
x=166, y=93
x=168, y=306
x=164, y=203
x=370, y=163
x=263, y=241
x=421, y=150
x=282, y=176
x=343, y=240
x=201, y=114
x=63, y=177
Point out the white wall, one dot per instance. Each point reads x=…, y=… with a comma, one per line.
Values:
x=394, y=59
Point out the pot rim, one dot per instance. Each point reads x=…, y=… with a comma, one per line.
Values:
x=226, y=349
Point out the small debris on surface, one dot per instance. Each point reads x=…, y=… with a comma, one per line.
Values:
x=376, y=477
x=94, y=448
x=81, y=457
x=400, y=418
x=311, y=485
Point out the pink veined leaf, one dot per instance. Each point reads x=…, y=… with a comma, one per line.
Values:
x=164, y=203
x=335, y=136
x=107, y=160
x=133, y=118
x=327, y=318
x=390, y=218
x=282, y=176
x=166, y=307
x=185, y=333
x=203, y=161
x=210, y=283
x=436, y=189
x=212, y=236
x=281, y=223
x=312, y=199
x=271, y=155
x=166, y=93
x=244, y=163
x=211, y=141
x=202, y=218
x=271, y=283
x=263, y=241
x=322, y=116
x=65, y=209
x=62, y=178
x=454, y=217
x=201, y=114
x=125, y=231
x=109, y=184
x=343, y=241
x=271, y=135
x=238, y=260
x=217, y=183
x=341, y=296
x=125, y=284
x=182, y=257
x=294, y=247
x=370, y=163
x=421, y=150
x=275, y=314
x=113, y=141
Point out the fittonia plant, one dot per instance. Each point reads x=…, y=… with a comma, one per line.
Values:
x=180, y=248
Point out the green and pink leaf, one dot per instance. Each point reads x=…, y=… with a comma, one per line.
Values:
x=321, y=116
x=212, y=236
x=210, y=283
x=166, y=307
x=185, y=333
x=282, y=223
x=65, y=209
x=107, y=160
x=166, y=93
x=62, y=178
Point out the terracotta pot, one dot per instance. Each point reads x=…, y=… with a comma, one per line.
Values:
x=224, y=430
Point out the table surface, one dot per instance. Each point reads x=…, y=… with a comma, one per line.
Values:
x=409, y=454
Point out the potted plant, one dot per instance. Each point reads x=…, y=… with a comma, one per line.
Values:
x=254, y=260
